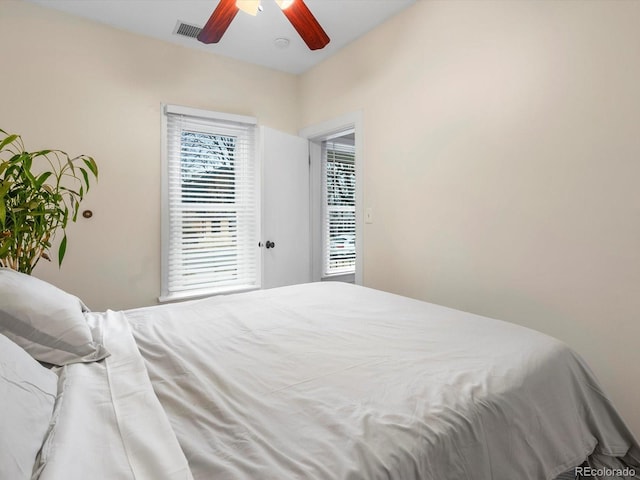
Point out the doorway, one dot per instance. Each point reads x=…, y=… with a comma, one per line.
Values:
x=335, y=155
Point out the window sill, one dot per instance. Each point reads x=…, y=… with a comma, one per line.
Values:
x=340, y=277
x=203, y=293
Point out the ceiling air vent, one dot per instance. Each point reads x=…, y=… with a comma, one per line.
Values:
x=186, y=30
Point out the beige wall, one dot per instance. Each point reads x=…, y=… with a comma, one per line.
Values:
x=502, y=159
x=81, y=87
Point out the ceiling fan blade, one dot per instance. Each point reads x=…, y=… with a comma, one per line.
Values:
x=306, y=24
x=218, y=22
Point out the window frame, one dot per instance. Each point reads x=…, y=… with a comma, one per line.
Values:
x=166, y=295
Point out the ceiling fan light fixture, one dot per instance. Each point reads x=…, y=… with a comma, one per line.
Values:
x=249, y=6
x=296, y=12
x=284, y=4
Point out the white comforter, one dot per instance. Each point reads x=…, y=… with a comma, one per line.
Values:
x=334, y=381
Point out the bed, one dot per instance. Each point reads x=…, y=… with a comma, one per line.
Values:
x=316, y=381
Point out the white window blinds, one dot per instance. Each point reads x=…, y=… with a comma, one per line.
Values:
x=339, y=209
x=211, y=207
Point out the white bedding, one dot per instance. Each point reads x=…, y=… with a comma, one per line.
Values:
x=339, y=382
x=108, y=424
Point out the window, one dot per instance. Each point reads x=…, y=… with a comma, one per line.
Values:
x=339, y=229
x=210, y=211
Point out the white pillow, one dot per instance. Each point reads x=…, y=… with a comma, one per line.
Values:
x=27, y=395
x=46, y=321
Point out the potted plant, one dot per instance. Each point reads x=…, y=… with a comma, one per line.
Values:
x=39, y=193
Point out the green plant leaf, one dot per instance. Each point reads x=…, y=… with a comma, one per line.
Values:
x=4, y=187
x=8, y=140
x=73, y=192
x=62, y=249
x=42, y=178
x=4, y=247
x=85, y=175
x=91, y=165
x=70, y=165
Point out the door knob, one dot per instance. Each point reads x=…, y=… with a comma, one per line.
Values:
x=270, y=244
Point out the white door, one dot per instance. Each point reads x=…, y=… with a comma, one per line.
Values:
x=286, y=240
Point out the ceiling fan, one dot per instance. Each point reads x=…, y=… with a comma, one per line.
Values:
x=295, y=10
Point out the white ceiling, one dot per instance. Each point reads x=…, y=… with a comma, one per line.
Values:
x=250, y=39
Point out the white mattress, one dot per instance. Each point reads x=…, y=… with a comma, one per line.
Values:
x=335, y=381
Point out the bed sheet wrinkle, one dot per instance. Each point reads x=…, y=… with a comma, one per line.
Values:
x=334, y=381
